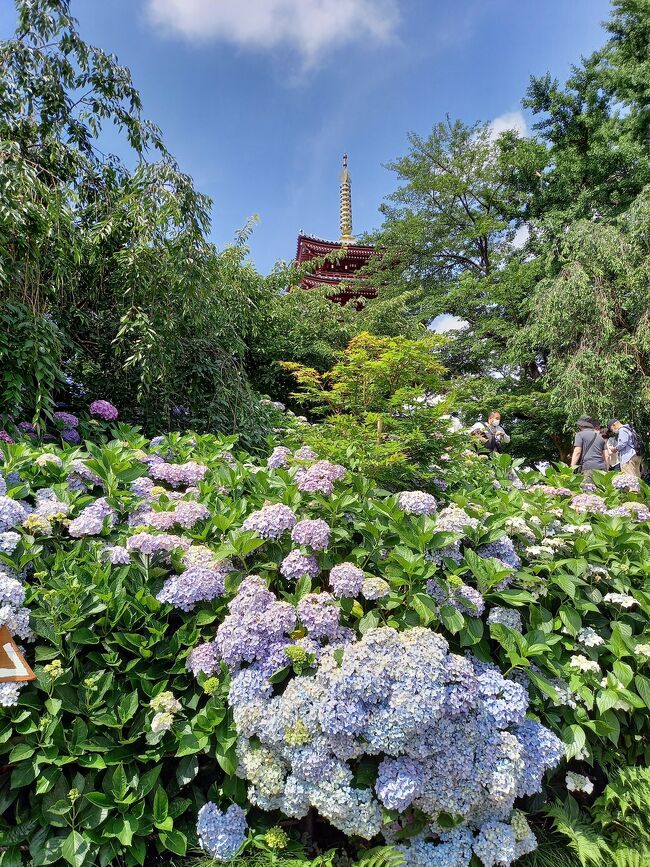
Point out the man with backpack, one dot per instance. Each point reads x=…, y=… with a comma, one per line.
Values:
x=589, y=449
x=629, y=447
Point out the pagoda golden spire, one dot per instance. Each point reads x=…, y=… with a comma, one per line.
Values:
x=346, y=205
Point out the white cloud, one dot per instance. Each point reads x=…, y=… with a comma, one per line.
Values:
x=446, y=322
x=311, y=27
x=510, y=120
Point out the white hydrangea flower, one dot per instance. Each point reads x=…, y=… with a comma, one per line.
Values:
x=161, y=722
x=642, y=650
x=582, y=663
x=622, y=599
x=579, y=783
x=589, y=637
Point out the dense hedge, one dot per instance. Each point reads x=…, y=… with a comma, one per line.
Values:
x=136, y=555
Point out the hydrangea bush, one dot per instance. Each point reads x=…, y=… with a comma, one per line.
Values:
x=241, y=643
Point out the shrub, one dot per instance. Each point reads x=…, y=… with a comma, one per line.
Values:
x=138, y=560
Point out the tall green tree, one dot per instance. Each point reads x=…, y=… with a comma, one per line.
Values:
x=111, y=264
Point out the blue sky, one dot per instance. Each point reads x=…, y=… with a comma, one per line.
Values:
x=258, y=99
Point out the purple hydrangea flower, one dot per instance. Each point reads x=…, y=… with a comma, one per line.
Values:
x=196, y=584
x=91, y=520
x=304, y=453
x=204, y=659
x=627, y=482
x=71, y=436
x=319, y=478
x=279, y=458
x=271, y=521
x=319, y=614
x=5, y=438
x=417, y=503
x=399, y=781
x=346, y=579
x=116, y=555
x=9, y=542
x=66, y=419
x=502, y=549
x=297, y=565
x=314, y=534
x=178, y=474
x=221, y=834
x=104, y=410
x=12, y=513
x=588, y=503
x=150, y=543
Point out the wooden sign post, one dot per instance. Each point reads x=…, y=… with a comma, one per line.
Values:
x=13, y=665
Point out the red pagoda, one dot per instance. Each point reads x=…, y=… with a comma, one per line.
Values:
x=340, y=274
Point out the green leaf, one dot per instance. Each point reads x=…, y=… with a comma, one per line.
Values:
x=174, y=841
x=425, y=608
x=452, y=618
x=119, y=785
x=99, y=799
x=368, y=621
x=186, y=771
x=160, y=805
x=128, y=706
x=20, y=753
x=643, y=688
x=75, y=849
x=574, y=740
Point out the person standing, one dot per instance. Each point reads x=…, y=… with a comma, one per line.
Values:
x=589, y=449
x=492, y=435
x=629, y=447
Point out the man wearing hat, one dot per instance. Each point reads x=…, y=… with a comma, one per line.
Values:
x=589, y=449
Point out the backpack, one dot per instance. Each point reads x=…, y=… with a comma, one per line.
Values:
x=635, y=441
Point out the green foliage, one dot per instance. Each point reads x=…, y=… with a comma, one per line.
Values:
x=380, y=422
x=112, y=263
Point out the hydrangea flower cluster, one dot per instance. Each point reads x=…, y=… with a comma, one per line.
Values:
x=150, y=543
x=12, y=513
x=66, y=419
x=304, y=453
x=637, y=511
x=622, y=599
x=417, y=503
x=551, y=491
x=178, y=474
x=506, y=617
x=591, y=503
x=374, y=587
x=463, y=748
x=297, y=565
x=15, y=617
x=91, y=520
x=104, y=410
x=503, y=550
x=196, y=584
x=9, y=542
x=346, y=579
x=626, y=482
x=279, y=458
x=186, y=513
x=256, y=629
x=221, y=834
x=313, y=533
x=453, y=519
x=319, y=478
x=271, y=521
